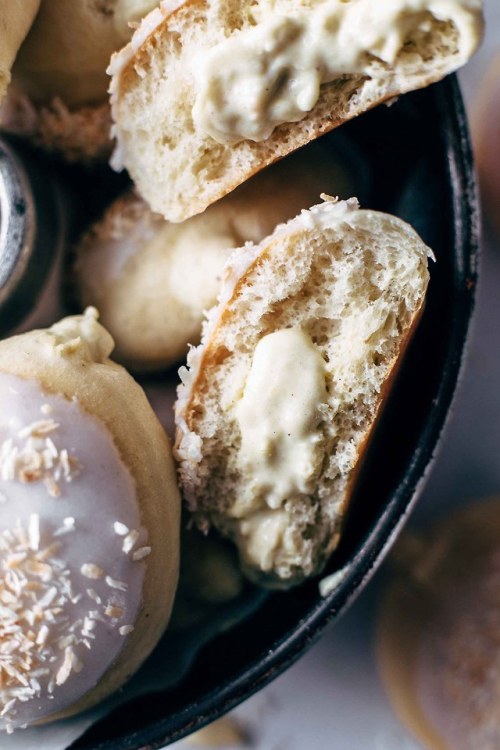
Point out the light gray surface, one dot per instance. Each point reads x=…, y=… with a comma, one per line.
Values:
x=333, y=699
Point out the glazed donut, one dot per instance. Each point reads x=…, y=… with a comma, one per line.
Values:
x=89, y=523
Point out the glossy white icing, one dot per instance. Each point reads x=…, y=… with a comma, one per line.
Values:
x=70, y=606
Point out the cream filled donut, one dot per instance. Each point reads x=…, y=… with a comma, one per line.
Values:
x=89, y=523
x=153, y=280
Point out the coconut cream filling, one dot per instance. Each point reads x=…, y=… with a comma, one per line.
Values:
x=282, y=446
x=271, y=73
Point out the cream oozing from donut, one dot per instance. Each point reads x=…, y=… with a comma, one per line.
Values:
x=72, y=552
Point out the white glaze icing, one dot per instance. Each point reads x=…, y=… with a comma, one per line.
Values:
x=130, y=230
x=95, y=521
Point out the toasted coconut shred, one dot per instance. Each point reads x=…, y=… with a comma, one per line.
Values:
x=35, y=590
x=58, y=612
x=38, y=639
x=33, y=457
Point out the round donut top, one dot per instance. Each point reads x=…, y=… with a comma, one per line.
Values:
x=439, y=631
x=71, y=546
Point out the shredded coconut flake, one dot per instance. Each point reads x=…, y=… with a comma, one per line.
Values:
x=34, y=531
x=32, y=456
x=33, y=618
x=41, y=645
x=94, y=596
x=331, y=582
x=120, y=528
x=141, y=553
x=67, y=527
x=89, y=570
x=112, y=583
x=114, y=611
x=70, y=664
x=130, y=541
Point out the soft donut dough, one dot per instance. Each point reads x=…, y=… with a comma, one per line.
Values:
x=153, y=280
x=72, y=359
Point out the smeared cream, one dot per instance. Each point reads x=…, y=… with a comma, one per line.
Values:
x=278, y=415
x=271, y=73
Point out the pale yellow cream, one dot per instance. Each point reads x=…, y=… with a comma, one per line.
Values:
x=264, y=534
x=271, y=73
x=279, y=417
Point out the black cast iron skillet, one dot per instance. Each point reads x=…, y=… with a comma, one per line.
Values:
x=419, y=156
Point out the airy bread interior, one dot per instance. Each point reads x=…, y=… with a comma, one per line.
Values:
x=355, y=282
x=179, y=169
x=152, y=280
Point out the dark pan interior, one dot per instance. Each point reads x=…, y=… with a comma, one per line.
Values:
x=421, y=167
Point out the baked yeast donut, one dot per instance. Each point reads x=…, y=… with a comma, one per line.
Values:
x=89, y=522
